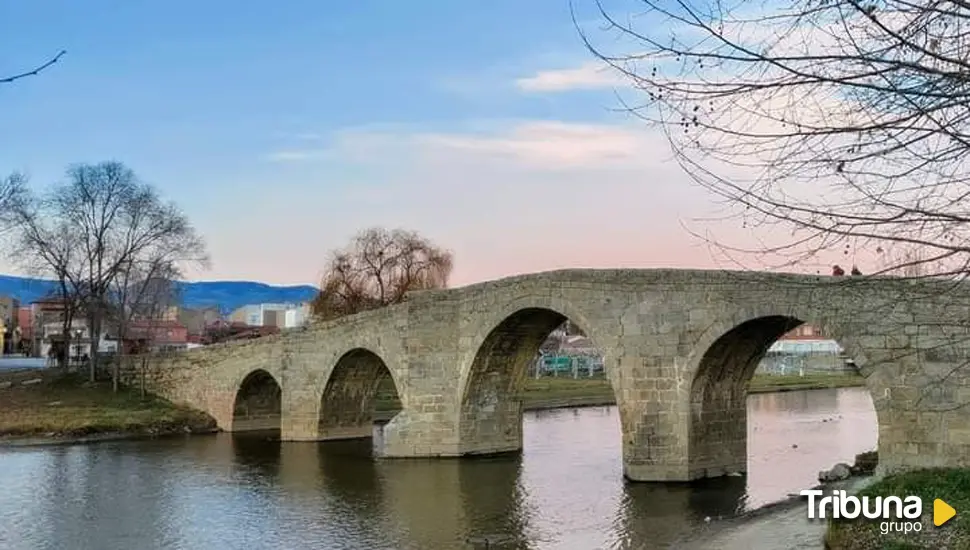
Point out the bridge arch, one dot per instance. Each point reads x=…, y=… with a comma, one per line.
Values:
x=504, y=347
x=258, y=402
x=493, y=319
x=720, y=368
x=361, y=386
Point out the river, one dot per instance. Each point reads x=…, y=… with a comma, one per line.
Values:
x=565, y=491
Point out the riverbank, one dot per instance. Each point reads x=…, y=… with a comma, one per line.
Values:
x=551, y=393
x=952, y=486
x=782, y=525
x=48, y=408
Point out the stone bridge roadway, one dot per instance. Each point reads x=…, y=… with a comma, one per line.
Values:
x=679, y=347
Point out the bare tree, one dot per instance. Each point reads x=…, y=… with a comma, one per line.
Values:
x=141, y=291
x=110, y=224
x=46, y=247
x=846, y=122
x=377, y=269
x=34, y=71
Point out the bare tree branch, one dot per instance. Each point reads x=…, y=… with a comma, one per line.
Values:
x=35, y=71
x=840, y=126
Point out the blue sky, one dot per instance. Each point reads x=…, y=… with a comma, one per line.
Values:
x=283, y=128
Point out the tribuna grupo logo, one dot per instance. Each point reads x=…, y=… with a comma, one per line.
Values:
x=897, y=514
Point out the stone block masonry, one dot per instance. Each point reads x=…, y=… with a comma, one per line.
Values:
x=679, y=346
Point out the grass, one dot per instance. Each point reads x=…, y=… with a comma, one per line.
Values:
x=950, y=485
x=553, y=392
x=762, y=383
x=66, y=406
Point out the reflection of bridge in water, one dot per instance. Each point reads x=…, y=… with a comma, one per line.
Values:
x=679, y=347
x=424, y=503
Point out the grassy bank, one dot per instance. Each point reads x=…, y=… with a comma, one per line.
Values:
x=549, y=392
x=65, y=407
x=950, y=485
x=764, y=383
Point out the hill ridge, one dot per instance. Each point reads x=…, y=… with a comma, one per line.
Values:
x=227, y=295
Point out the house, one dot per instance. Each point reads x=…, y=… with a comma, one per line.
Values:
x=43, y=312
x=196, y=319
x=155, y=335
x=50, y=337
x=9, y=334
x=25, y=322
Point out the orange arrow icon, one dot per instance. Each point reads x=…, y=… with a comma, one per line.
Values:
x=942, y=512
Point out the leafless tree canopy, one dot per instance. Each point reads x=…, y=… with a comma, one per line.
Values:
x=377, y=269
x=845, y=122
x=101, y=234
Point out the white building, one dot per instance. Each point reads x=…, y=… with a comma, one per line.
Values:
x=279, y=315
x=80, y=338
x=297, y=316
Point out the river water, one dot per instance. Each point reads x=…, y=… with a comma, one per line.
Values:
x=565, y=491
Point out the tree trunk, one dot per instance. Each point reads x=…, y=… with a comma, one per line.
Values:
x=119, y=355
x=61, y=358
x=144, y=368
x=96, y=339
x=92, y=334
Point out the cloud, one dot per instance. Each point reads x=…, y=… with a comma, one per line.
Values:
x=588, y=76
x=293, y=155
x=533, y=144
x=553, y=145
x=508, y=197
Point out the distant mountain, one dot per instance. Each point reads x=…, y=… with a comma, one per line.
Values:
x=226, y=295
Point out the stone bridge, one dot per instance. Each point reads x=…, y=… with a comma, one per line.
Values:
x=679, y=347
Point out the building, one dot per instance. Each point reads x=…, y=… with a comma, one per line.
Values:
x=155, y=335
x=51, y=339
x=196, y=319
x=297, y=316
x=272, y=315
x=805, y=349
x=25, y=322
x=43, y=312
x=9, y=332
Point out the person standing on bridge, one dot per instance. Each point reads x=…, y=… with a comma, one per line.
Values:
x=837, y=271
x=855, y=271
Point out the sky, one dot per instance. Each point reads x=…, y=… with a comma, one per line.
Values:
x=284, y=128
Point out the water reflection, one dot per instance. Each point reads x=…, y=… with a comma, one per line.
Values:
x=565, y=491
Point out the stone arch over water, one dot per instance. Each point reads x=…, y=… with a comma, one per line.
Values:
x=718, y=408
x=258, y=403
x=491, y=408
x=353, y=392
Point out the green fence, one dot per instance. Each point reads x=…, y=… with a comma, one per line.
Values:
x=568, y=365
